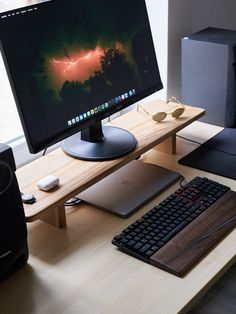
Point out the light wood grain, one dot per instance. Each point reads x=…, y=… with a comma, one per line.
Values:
x=55, y=217
x=168, y=146
x=77, y=175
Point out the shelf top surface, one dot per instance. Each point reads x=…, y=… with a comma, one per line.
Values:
x=77, y=175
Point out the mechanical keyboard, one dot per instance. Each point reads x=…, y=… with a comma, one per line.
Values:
x=182, y=228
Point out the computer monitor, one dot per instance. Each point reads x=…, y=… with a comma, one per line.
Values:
x=72, y=64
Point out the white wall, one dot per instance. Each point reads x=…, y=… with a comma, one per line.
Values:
x=186, y=17
x=158, y=16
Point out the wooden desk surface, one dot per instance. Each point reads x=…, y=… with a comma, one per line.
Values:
x=78, y=270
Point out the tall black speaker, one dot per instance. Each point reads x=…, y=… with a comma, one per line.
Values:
x=13, y=230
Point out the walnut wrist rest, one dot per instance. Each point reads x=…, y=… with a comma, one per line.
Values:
x=194, y=241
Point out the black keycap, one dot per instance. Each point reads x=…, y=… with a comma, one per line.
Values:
x=145, y=248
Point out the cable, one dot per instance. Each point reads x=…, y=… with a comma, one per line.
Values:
x=204, y=145
x=216, y=228
x=210, y=232
x=189, y=140
x=44, y=152
x=182, y=179
x=73, y=201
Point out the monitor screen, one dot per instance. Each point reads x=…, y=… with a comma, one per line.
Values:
x=73, y=63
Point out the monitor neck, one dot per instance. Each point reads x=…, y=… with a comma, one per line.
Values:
x=93, y=133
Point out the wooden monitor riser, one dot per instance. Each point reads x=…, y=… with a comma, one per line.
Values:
x=77, y=175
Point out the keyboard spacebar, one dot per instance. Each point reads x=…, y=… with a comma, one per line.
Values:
x=173, y=232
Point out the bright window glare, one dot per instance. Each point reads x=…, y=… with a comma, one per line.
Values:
x=6, y=5
x=10, y=125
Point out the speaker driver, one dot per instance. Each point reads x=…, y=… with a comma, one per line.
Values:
x=6, y=177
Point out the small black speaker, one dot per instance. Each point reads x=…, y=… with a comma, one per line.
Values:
x=13, y=230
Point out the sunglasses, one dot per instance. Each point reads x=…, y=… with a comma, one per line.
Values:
x=159, y=116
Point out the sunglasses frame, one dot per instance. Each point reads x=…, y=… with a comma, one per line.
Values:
x=159, y=116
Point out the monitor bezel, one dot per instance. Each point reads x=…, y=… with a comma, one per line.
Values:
x=44, y=144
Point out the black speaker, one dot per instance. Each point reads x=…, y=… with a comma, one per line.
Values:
x=13, y=230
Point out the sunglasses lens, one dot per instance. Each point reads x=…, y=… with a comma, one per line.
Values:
x=177, y=112
x=158, y=117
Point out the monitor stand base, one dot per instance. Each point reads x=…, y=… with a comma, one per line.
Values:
x=99, y=143
x=128, y=188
